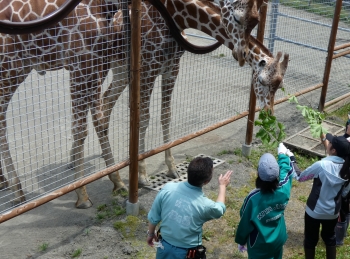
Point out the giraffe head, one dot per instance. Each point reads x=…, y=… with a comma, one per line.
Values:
x=268, y=76
x=268, y=72
x=239, y=18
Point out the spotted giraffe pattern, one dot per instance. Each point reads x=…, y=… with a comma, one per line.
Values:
x=161, y=56
x=238, y=18
x=78, y=44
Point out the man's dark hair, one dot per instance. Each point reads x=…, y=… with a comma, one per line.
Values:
x=199, y=171
x=265, y=186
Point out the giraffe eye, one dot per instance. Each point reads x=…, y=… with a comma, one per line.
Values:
x=262, y=63
x=236, y=20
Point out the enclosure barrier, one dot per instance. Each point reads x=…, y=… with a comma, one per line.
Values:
x=189, y=119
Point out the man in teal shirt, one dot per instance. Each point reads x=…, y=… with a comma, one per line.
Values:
x=182, y=209
x=262, y=229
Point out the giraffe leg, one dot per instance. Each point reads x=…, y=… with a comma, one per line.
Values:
x=168, y=83
x=3, y=181
x=6, y=93
x=101, y=125
x=79, y=132
x=147, y=83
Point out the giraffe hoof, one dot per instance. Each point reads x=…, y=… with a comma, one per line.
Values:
x=4, y=186
x=84, y=205
x=42, y=73
x=143, y=182
x=70, y=166
x=173, y=174
x=122, y=191
x=17, y=202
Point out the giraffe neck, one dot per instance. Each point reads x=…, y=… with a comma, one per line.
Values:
x=196, y=15
x=24, y=11
x=205, y=17
x=257, y=52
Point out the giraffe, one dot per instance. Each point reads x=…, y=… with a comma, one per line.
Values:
x=160, y=55
x=77, y=44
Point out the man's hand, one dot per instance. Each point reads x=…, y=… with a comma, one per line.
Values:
x=225, y=179
x=281, y=149
x=150, y=241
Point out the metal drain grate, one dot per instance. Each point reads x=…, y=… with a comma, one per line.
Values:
x=158, y=180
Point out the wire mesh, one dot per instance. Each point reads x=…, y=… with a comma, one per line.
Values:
x=40, y=113
x=181, y=92
x=302, y=28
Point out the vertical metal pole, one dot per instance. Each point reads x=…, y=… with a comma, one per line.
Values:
x=132, y=206
x=127, y=29
x=246, y=148
x=331, y=44
x=273, y=24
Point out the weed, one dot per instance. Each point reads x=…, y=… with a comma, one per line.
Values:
x=127, y=227
x=122, y=192
x=87, y=231
x=119, y=211
x=101, y=207
x=43, y=247
x=76, y=253
x=302, y=198
x=223, y=152
x=189, y=158
x=207, y=234
x=342, y=113
x=230, y=162
x=237, y=152
x=102, y=215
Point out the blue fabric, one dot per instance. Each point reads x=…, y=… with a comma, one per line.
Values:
x=170, y=251
x=324, y=199
x=182, y=210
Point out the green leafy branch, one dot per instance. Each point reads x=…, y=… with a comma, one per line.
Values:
x=271, y=131
x=313, y=117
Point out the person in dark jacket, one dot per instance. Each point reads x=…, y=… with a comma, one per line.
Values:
x=344, y=214
x=262, y=228
x=330, y=176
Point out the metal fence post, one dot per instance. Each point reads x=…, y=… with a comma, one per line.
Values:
x=132, y=205
x=331, y=44
x=273, y=24
x=246, y=148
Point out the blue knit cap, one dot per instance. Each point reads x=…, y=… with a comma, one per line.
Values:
x=268, y=168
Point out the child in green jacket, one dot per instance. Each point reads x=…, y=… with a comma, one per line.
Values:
x=262, y=229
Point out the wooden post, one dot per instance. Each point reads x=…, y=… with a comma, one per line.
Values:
x=135, y=65
x=331, y=44
x=252, y=101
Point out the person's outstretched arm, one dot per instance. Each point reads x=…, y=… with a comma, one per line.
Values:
x=223, y=181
